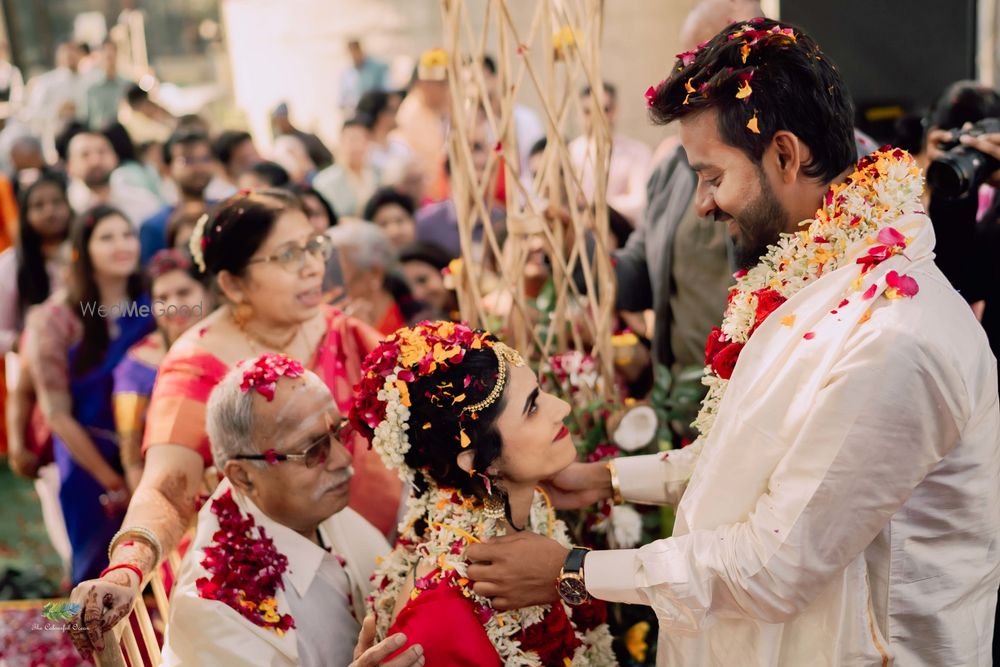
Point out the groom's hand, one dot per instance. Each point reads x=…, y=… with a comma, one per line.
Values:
x=517, y=570
x=579, y=485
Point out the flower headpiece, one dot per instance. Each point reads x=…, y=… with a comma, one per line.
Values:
x=167, y=260
x=381, y=409
x=197, y=242
x=262, y=375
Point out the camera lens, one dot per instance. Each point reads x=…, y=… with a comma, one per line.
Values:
x=950, y=176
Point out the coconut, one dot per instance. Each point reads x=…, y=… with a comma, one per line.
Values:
x=636, y=429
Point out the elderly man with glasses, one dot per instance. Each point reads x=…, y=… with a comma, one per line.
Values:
x=280, y=567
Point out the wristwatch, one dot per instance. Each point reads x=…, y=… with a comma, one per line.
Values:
x=572, y=588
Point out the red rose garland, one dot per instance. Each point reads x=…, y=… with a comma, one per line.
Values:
x=246, y=569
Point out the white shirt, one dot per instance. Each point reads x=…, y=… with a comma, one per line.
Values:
x=138, y=204
x=845, y=508
x=208, y=632
x=627, y=173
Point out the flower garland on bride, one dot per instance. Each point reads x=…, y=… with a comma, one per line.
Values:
x=884, y=185
x=441, y=522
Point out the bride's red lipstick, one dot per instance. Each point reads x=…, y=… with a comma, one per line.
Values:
x=563, y=432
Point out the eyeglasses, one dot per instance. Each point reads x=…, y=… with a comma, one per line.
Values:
x=315, y=454
x=294, y=258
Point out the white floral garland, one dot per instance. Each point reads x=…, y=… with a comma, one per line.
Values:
x=390, y=440
x=871, y=203
x=449, y=521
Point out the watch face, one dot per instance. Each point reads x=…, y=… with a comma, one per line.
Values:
x=572, y=590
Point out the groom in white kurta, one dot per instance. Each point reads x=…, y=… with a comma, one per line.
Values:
x=844, y=507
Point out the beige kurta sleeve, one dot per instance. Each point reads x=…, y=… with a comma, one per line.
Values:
x=827, y=499
x=657, y=479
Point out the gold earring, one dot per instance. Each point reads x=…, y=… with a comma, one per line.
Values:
x=242, y=313
x=494, y=508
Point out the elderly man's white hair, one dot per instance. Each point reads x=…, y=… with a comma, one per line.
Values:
x=365, y=243
x=229, y=419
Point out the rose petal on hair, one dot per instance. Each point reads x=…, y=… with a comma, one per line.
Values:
x=650, y=96
x=745, y=52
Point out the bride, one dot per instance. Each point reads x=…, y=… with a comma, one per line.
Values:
x=462, y=419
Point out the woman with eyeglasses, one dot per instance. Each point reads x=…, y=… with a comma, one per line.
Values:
x=268, y=263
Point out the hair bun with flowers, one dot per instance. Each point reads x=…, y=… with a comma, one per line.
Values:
x=382, y=407
x=262, y=374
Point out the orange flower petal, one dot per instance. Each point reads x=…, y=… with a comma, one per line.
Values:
x=688, y=88
x=788, y=320
x=752, y=124
x=745, y=52
x=745, y=91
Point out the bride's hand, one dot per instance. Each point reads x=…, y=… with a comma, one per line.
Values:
x=369, y=654
x=579, y=485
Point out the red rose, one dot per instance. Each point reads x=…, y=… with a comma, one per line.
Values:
x=715, y=343
x=553, y=638
x=590, y=614
x=725, y=361
x=768, y=301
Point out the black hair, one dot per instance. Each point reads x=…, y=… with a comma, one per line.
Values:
x=963, y=102
x=301, y=190
x=435, y=450
x=359, y=120
x=121, y=142
x=179, y=219
x=271, y=173
x=184, y=137
x=66, y=135
x=135, y=95
x=82, y=288
x=538, y=147
x=226, y=143
x=489, y=64
x=373, y=104
x=32, y=279
x=239, y=226
x=609, y=90
x=173, y=259
x=428, y=253
x=385, y=197
x=794, y=87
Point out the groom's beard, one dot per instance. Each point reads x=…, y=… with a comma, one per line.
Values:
x=759, y=225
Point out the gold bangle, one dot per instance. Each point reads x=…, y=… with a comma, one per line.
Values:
x=616, y=489
x=143, y=533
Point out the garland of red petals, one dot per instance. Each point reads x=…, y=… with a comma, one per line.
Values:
x=262, y=375
x=245, y=568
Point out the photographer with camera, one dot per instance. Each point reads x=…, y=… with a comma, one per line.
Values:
x=955, y=171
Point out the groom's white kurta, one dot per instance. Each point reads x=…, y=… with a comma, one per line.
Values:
x=845, y=508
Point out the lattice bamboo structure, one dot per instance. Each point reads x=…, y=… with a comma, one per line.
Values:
x=556, y=55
